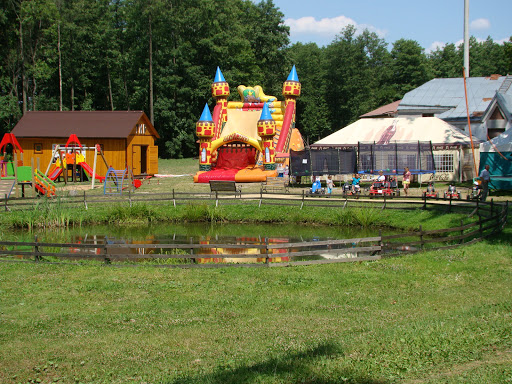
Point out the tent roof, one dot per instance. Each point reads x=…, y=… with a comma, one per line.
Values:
x=406, y=129
x=502, y=142
x=85, y=124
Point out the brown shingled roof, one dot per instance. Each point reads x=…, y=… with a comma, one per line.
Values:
x=84, y=124
x=388, y=110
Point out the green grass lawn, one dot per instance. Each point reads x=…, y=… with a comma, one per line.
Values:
x=435, y=317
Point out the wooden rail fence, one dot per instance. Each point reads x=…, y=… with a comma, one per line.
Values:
x=489, y=219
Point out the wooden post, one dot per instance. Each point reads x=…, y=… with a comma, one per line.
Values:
x=302, y=204
x=384, y=206
x=130, y=196
x=492, y=207
x=381, y=243
x=15, y=168
x=450, y=206
x=261, y=197
x=421, y=236
x=173, y=198
x=461, y=232
x=63, y=167
x=37, y=258
x=94, y=165
x=424, y=200
x=33, y=176
x=85, y=201
x=6, y=207
x=105, y=251
x=267, y=260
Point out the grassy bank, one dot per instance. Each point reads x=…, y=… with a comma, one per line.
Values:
x=436, y=317
x=45, y=215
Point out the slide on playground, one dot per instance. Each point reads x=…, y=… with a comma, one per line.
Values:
x=87, y=168
x=237, y=157
x=54, y=173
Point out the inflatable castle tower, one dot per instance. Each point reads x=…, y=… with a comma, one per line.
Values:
x=245, y=141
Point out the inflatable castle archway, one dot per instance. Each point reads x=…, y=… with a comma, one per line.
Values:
x=244, y=140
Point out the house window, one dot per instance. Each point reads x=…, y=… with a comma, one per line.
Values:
x=427, y=115
x=444, y=162
x=141, y=129
x=38, y=148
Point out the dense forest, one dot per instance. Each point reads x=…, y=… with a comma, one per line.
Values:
x=160, y=56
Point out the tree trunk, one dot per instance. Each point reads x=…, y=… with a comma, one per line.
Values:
x=72, y=95
x=151, y=112
x=110, y=89
x=60, y=67
x=23, y=79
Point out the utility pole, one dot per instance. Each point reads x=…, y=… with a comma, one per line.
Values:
x=466, y=37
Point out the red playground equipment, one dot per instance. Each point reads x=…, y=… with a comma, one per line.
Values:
x=7, y=160
x=384, y=188
x=452, y=193
x=430, y=193
x=72, y=157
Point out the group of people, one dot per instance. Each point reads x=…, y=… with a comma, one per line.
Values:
x=484, y=177
x=356, y=180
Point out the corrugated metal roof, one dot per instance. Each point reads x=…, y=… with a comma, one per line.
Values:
x=449, y=94
x=84, y=124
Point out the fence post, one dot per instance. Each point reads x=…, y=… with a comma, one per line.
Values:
x=261, y=197
x=85, y=201
x=421, y=236
x=381, y=243
x=191, y=241
x=173, y=198
x=36, y=250
x=267, y=260
x=424, y=200
x=478, y=207
x=492, y=207
x=480, y=226
x=302, y=204
x=130, y=196
x=461, y=232
x=384, y=206
x=6, y=208
x=106, y=258
x=450, y=206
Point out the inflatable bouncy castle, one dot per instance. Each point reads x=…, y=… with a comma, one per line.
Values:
x=247, y=140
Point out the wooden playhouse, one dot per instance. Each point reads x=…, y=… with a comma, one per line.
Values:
x=127, y=138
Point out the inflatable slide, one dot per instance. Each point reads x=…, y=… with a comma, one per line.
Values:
x=247, y=140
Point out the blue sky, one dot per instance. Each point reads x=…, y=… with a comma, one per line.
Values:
x=431, y=23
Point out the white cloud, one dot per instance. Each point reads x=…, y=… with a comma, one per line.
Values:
x=326, y=27
x=480, y=24
x=434, y=46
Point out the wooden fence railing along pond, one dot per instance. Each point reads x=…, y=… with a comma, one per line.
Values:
x=487, y=220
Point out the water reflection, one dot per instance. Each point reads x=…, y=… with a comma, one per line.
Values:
x=228, y=242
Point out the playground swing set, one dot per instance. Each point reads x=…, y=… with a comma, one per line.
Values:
x=67, y=161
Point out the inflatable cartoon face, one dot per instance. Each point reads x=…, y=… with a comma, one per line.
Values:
x=248, y=94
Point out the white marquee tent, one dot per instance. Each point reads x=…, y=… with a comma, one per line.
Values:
x=452, y=147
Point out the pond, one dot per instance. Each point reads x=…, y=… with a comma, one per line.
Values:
x=241, y=243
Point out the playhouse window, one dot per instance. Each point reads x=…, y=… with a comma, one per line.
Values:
x=38, y=148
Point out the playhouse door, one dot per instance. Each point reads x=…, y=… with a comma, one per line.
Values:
x=139, y=159
x=136, y=159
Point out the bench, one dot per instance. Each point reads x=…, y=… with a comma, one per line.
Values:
x=275, y=183
x=224, y=186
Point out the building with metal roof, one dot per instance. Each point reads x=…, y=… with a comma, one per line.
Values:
x=488, y=102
